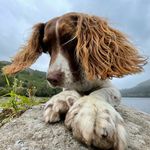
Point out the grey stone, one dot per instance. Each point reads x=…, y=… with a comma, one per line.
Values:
x=29, y=132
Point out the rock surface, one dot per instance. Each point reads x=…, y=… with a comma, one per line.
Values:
x=29, y=132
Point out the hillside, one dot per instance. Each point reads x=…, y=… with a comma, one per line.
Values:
x=30, y=78
x=35, y=78
x=140, y=90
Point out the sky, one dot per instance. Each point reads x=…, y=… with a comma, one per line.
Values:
x=129, y=16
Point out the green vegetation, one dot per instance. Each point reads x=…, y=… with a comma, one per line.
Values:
x=30, y=79
x=16, y=104
x=19, y=92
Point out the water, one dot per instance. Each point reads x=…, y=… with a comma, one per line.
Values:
x=139, y=103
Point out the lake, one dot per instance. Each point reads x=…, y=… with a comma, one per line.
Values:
x=139, y=103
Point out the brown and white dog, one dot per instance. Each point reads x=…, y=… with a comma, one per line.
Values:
x=85, y=53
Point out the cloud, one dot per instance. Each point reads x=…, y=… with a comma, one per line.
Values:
x=132, y=17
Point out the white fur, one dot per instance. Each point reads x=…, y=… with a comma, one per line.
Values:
x=109, y=93
x=62, y=65
x=92, y=118
x=57, y=32
x=60, y=102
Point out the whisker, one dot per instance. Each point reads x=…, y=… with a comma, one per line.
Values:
x=69, y=41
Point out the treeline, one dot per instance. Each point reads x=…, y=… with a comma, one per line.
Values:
x=141, y=90
x=29, y=82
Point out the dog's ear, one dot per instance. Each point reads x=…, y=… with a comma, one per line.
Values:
x=29, y=53
x=103, y=51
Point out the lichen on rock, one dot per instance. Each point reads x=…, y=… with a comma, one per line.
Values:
x=29, y=132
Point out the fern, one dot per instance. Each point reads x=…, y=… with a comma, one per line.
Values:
x=16, y=104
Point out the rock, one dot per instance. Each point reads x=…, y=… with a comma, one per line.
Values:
x=29, y=132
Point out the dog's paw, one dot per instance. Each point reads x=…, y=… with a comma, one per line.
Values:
x=95, y=122
x=58, y=105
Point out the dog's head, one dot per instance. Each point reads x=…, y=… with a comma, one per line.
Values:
x=80, y=47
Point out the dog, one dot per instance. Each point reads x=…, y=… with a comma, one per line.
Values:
x=86, y=53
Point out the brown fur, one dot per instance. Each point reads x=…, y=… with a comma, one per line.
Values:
x=29, y=52
x=102, y=51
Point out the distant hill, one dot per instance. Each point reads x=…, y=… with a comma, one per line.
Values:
x=37, y=78
x=30, y=78
x=140, y=90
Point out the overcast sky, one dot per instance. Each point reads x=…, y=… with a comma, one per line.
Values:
x=130, y=16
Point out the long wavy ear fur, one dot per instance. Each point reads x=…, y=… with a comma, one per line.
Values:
x=103, y=51
x=29, y=52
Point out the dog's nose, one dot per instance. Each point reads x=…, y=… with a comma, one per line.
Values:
x=55, y=77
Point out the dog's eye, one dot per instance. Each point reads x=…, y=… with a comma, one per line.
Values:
x=47, y=49
x=46, y=45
